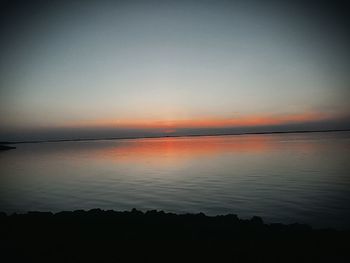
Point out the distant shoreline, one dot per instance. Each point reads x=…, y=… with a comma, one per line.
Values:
x=171, y=136
x=6, y=147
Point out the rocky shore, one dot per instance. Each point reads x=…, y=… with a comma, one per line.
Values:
x=155, y=236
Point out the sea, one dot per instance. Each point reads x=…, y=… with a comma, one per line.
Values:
x=283, y=178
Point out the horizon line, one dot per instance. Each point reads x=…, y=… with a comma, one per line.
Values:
x=175, y=136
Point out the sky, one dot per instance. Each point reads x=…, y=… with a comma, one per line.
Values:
x=92, y=69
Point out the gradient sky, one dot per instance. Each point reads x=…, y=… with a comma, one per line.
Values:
x=171, y=67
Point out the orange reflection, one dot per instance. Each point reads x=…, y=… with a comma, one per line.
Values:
x=180, y=149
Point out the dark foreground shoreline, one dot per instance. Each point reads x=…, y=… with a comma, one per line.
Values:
x=155, y=236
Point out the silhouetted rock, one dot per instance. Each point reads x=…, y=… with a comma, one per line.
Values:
x=256, y=220
x=111, y=236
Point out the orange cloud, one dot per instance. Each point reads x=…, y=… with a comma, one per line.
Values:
x=169, y=126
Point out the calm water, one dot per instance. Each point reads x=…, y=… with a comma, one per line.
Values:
x=282, y=178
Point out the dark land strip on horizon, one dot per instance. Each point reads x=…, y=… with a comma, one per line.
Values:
x=170, y=136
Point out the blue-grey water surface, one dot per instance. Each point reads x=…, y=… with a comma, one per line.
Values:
x=284, y=178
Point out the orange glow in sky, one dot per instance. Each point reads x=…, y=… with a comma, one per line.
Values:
x=170, y=126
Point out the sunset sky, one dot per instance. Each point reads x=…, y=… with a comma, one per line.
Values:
x=133, y=68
